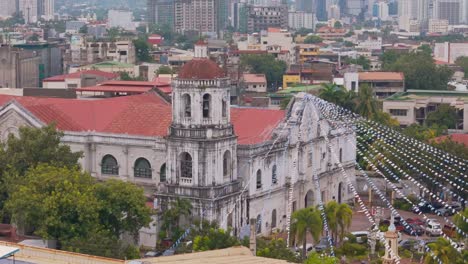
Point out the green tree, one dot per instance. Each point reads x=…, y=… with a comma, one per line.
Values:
x=460, y=222
x=443, y=251
x=367, y=105
x=361, y=60
x=315, y=258
x=164, y=70
x=452, y=147
x=266, y=64
x=386, y=119
x=305, y=221
x=123, y=207
x=276, y=249
x=389, y=58
x=339, y=218
x=113, y=33
x=125, y=76
x=332, y=93
x=463, y=63
x=420, y=71
x=423, y=133
x=143, y=49
x=312, y=39
x=171, y=218
x=445, y=116
x=34, y=37
x=425, y=49
x=58, y=202
x=215, y=239
x=338, y=24
x=83, y=30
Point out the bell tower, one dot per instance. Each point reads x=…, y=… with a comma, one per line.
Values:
x=202, y=146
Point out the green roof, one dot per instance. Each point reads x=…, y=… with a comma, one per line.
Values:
x=299, y=89
x=106, y=64
x=416, y=94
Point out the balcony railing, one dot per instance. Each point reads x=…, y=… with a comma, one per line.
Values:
x=203, y=192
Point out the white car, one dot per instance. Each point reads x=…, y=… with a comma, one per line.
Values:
x=433, y=229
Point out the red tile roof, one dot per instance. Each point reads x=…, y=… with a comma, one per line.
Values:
x=254, y=78
x=143, y=115
x=202, y=69
x=255, y=125
x=459, y=138
x=76, y=75
x=381, y=76
x=115, y=89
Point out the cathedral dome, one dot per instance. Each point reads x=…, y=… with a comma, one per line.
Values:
x=201, y=69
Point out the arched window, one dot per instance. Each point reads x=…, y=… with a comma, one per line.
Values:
x=227, y=164
x=206, y=105
x=274, y=175
x=273, y=218
x=224, y=110
x=162, y=173
x=259, y=224
x=185, y=165
x=341, y=155
x=187, y=105
x=109, y=165
x=259, y=179
x=142, y=169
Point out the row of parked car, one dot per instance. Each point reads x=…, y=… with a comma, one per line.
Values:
x=440, y=209
x=416, y=226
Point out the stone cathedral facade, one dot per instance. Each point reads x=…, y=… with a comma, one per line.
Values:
x=232, y=163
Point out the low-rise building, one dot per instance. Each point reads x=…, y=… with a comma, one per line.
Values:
x=413, y=106
x=255, y=82
x=291, y=78
x=438, y=26
x=450, y=52
x=383, y=83
x=108, y=66
x=78, y=79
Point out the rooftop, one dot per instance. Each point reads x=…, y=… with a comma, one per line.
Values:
x=201, y=69
x=381, y=76
x=254, y=78
x=221, y=256
x=76, y=75
x=459, y=138
x=139, y=115
x=422, y=94
x=106, y=64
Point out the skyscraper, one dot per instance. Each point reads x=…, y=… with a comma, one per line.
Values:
x=306, y=5
x=161, y=12
x=322, y=10
x=195, y=15
x=49, y=9
x=29, y=9
x=7, y=8
x=450, y=10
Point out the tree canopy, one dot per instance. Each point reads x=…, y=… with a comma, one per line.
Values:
x=419, y=69
x=312, y=39
x=143, y=49
x=268, y=65
x=68, y=205
x=361, y=60
x=445, y=116
x=463, y=63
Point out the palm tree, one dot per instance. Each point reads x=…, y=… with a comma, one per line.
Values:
x=330, y=213
x=443, y=251
x=367, y=105
x=344, y=216
x=171, y=217
x=332, y=93
x=306, y=220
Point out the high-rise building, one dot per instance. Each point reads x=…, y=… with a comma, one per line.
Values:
x=334, y=12
x=355, y=7
x=450, y=10
x=195, y=15
x=263, y=17
x=29, y=9
x=307, y=6
x=300, y=19
x=49, y=9
x=321, y=8
x=160, y=12
x=7, y=8
x=380, y=11
x=239, y=16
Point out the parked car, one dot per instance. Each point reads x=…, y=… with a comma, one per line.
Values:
x=409, y=244
x=422, y=208
x=449, y=230
x=415, y=221
x=446, y=211
x=153, y=254
x=322, y=245
x=432, y=220
x=433, y=229
x=361, y=236
x=413, y=230
x=437, y=205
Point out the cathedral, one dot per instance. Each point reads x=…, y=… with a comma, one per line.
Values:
x=233, y=163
